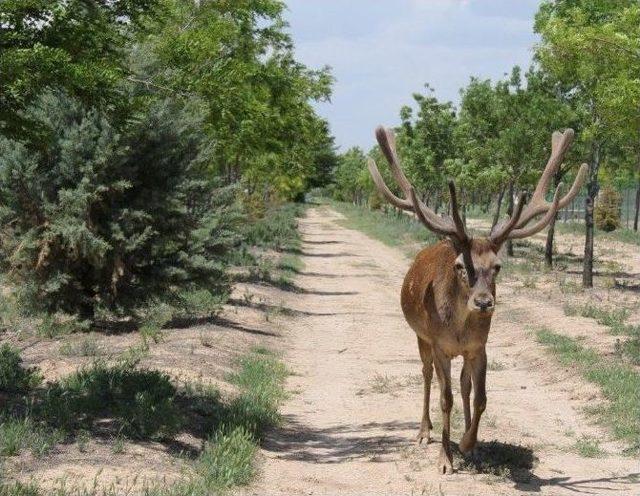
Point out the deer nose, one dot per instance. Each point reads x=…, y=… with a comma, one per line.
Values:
x=483, y=303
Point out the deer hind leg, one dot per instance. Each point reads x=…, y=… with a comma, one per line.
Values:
x=443, y=371
x=427, y=375
x=465, y=389
x=478, y=369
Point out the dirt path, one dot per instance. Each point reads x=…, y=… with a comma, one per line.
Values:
x=356, y=395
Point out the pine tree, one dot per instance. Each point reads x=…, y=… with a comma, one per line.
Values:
x=102, y=220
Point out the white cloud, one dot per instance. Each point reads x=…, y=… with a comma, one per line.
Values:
x=382, y=55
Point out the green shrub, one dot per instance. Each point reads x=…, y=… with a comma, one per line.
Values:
x=13, y=376
x=103, y=217
x=277, y=230
x=607, y=212
x=140, y=403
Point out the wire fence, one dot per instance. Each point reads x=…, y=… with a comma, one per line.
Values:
x=574, y=212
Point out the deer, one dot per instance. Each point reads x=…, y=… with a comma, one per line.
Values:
x=448, y=295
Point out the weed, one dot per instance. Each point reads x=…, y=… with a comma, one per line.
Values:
x=13, y=376
x=55, y=325
x=17, y=434
x=227, y=459
x=118, y=446
x=588, y=447
x=86, y=347
x=277, y=230
x=530, y=282
x=83, y=441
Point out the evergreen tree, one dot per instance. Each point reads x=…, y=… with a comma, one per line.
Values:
x=105, y=220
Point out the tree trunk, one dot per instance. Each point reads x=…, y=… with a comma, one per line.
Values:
x=635, y=218
x=548, y=247
x=496, y=216
x=592, y=192
x=510, y=213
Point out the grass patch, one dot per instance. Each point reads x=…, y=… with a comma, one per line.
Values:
x=17, y=434
x=144, y=404
x=614, y=319
x=86, y=346
x=277, y=229
x=610, y=317
x=588, y=447
x=393, y=229
x=13, y=376
x=620, y=385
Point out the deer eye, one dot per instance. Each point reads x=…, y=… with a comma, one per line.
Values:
x=459, y=266
x=496, y=268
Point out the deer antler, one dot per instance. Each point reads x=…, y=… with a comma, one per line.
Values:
x=515, y=227
x=453, y=228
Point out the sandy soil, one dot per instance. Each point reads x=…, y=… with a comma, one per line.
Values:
x=353, y=414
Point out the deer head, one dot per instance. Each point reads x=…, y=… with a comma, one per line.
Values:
x=477, y=262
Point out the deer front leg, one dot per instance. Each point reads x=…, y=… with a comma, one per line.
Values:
x=478, y=369
x=443, y=371
x=465, y=389
x=427, y=375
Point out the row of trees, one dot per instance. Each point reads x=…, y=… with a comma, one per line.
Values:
x=136, y=138
x=585, y=76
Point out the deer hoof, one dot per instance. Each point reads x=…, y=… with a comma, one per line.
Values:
x=424, y=435
x=466, y=445
x=445, y=466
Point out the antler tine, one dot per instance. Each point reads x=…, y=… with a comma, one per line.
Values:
x=455, y=213
x=501, y=233
x=428, y=217
x=525, y=232
x=437, y=227
x=382, y=187
x=387, y=142
x=560, y=143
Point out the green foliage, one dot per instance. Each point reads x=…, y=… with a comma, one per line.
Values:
x=607, y=211
x=105, y=220
x=227, y=459
x=352, y=182
x=17, y=434
x=73, y=45
x=256, y=95
x=13, y=376
x=277, y=229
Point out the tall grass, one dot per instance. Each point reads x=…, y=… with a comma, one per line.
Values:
x=619, y=383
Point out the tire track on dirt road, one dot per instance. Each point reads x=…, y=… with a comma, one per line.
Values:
x=351, y=420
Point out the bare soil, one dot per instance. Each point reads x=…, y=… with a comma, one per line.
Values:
x=354, y=409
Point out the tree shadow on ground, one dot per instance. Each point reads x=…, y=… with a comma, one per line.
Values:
x=341, y=443
x=109, y=402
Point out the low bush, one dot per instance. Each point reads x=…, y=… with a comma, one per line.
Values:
x=13, y=376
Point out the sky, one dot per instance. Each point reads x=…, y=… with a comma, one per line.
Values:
x=383, y=51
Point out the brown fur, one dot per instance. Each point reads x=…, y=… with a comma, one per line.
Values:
x=439, y=306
